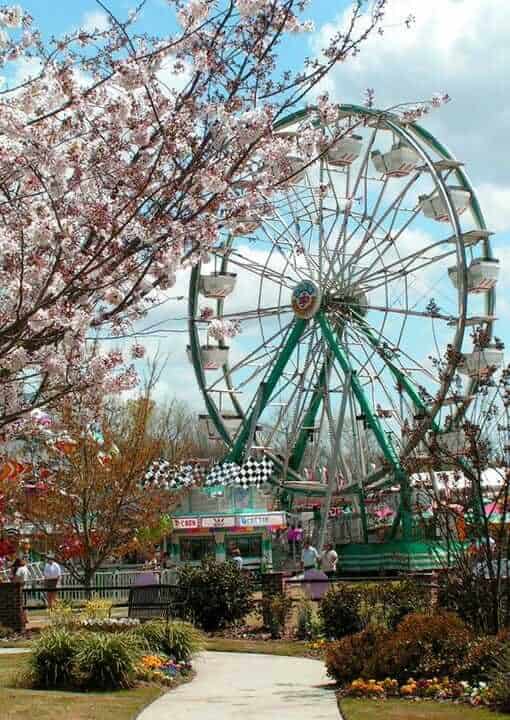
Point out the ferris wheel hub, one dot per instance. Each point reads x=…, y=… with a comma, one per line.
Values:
x=306, y=299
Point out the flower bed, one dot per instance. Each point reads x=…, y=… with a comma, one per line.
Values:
x=67, y=658
x=445, y=660
x=106, y=624
x=433, y=689
x=163, y=670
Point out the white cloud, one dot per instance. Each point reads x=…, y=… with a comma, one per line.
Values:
x=95, y=20
x=23, y=69
x=495, y=201
x=170, y=78
x=457, y=46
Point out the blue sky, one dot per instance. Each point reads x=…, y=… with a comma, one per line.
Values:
x=55, y=16
x=458, y=46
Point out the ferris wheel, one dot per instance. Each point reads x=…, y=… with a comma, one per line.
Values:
x=358, y=290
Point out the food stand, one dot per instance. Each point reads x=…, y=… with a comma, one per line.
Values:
x=216, y=523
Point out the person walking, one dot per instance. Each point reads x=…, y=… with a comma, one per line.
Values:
x=329, y=560
x=20, y=575
x=52, y=574
x=309, y=556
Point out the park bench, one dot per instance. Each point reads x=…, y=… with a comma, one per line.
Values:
x=147, y=602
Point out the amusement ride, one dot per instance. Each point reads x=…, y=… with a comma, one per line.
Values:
x=360, y=290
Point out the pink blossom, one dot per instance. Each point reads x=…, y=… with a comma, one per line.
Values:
x=11, y=17
x=121, y=179
x=223, y=329
x=137, y=351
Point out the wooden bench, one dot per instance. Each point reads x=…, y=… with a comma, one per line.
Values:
x=147, y=602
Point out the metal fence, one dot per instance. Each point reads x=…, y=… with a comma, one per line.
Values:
x=111, y=585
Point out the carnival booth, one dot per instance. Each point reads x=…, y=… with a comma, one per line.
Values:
x=215, y=521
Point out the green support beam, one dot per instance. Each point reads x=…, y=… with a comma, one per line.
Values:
x=374, y=423
x=266, y=391
x=300, y=446
x=402, y=379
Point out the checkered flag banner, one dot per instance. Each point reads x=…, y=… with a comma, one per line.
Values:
x=252, y=473
x=222, y=474
x=255, y=473
x=165, y=476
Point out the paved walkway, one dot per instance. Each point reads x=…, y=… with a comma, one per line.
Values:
x=243, y=686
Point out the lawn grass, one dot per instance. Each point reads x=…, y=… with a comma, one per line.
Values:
x=354, y=709
x=20, y=704
x=291, y=648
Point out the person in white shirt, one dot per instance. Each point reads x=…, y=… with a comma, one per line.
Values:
x=329, y=560
x=309, y=556
x=20, y=575
x=20, y=572
x=52, y=574
x=237, y=558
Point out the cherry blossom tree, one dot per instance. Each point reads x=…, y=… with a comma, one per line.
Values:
x=120, y=162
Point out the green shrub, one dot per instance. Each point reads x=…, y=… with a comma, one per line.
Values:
x=105, y=661
x=216, y=594
x=346, y=659
x=177, y=639
x=349, y=607
x=421, y=646
x=500, y=680
x=52, y=658
x=308, y=623
x=338, y=611
x=276, y=610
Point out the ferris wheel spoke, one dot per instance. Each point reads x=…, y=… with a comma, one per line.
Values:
x=376, y=377
x=408, y=271
x=292, y=244
x=375, y=227
x=400, y=311
x=258, y=312
x=384, y=443
x=251, y=357
x=251, y=266
x=401, y=263
x=392, y=354
x=342, y=235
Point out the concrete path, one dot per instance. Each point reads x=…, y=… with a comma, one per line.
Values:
x=14, y=651
x=244, y=686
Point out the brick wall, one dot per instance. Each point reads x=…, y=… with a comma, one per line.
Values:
x=11, y=606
